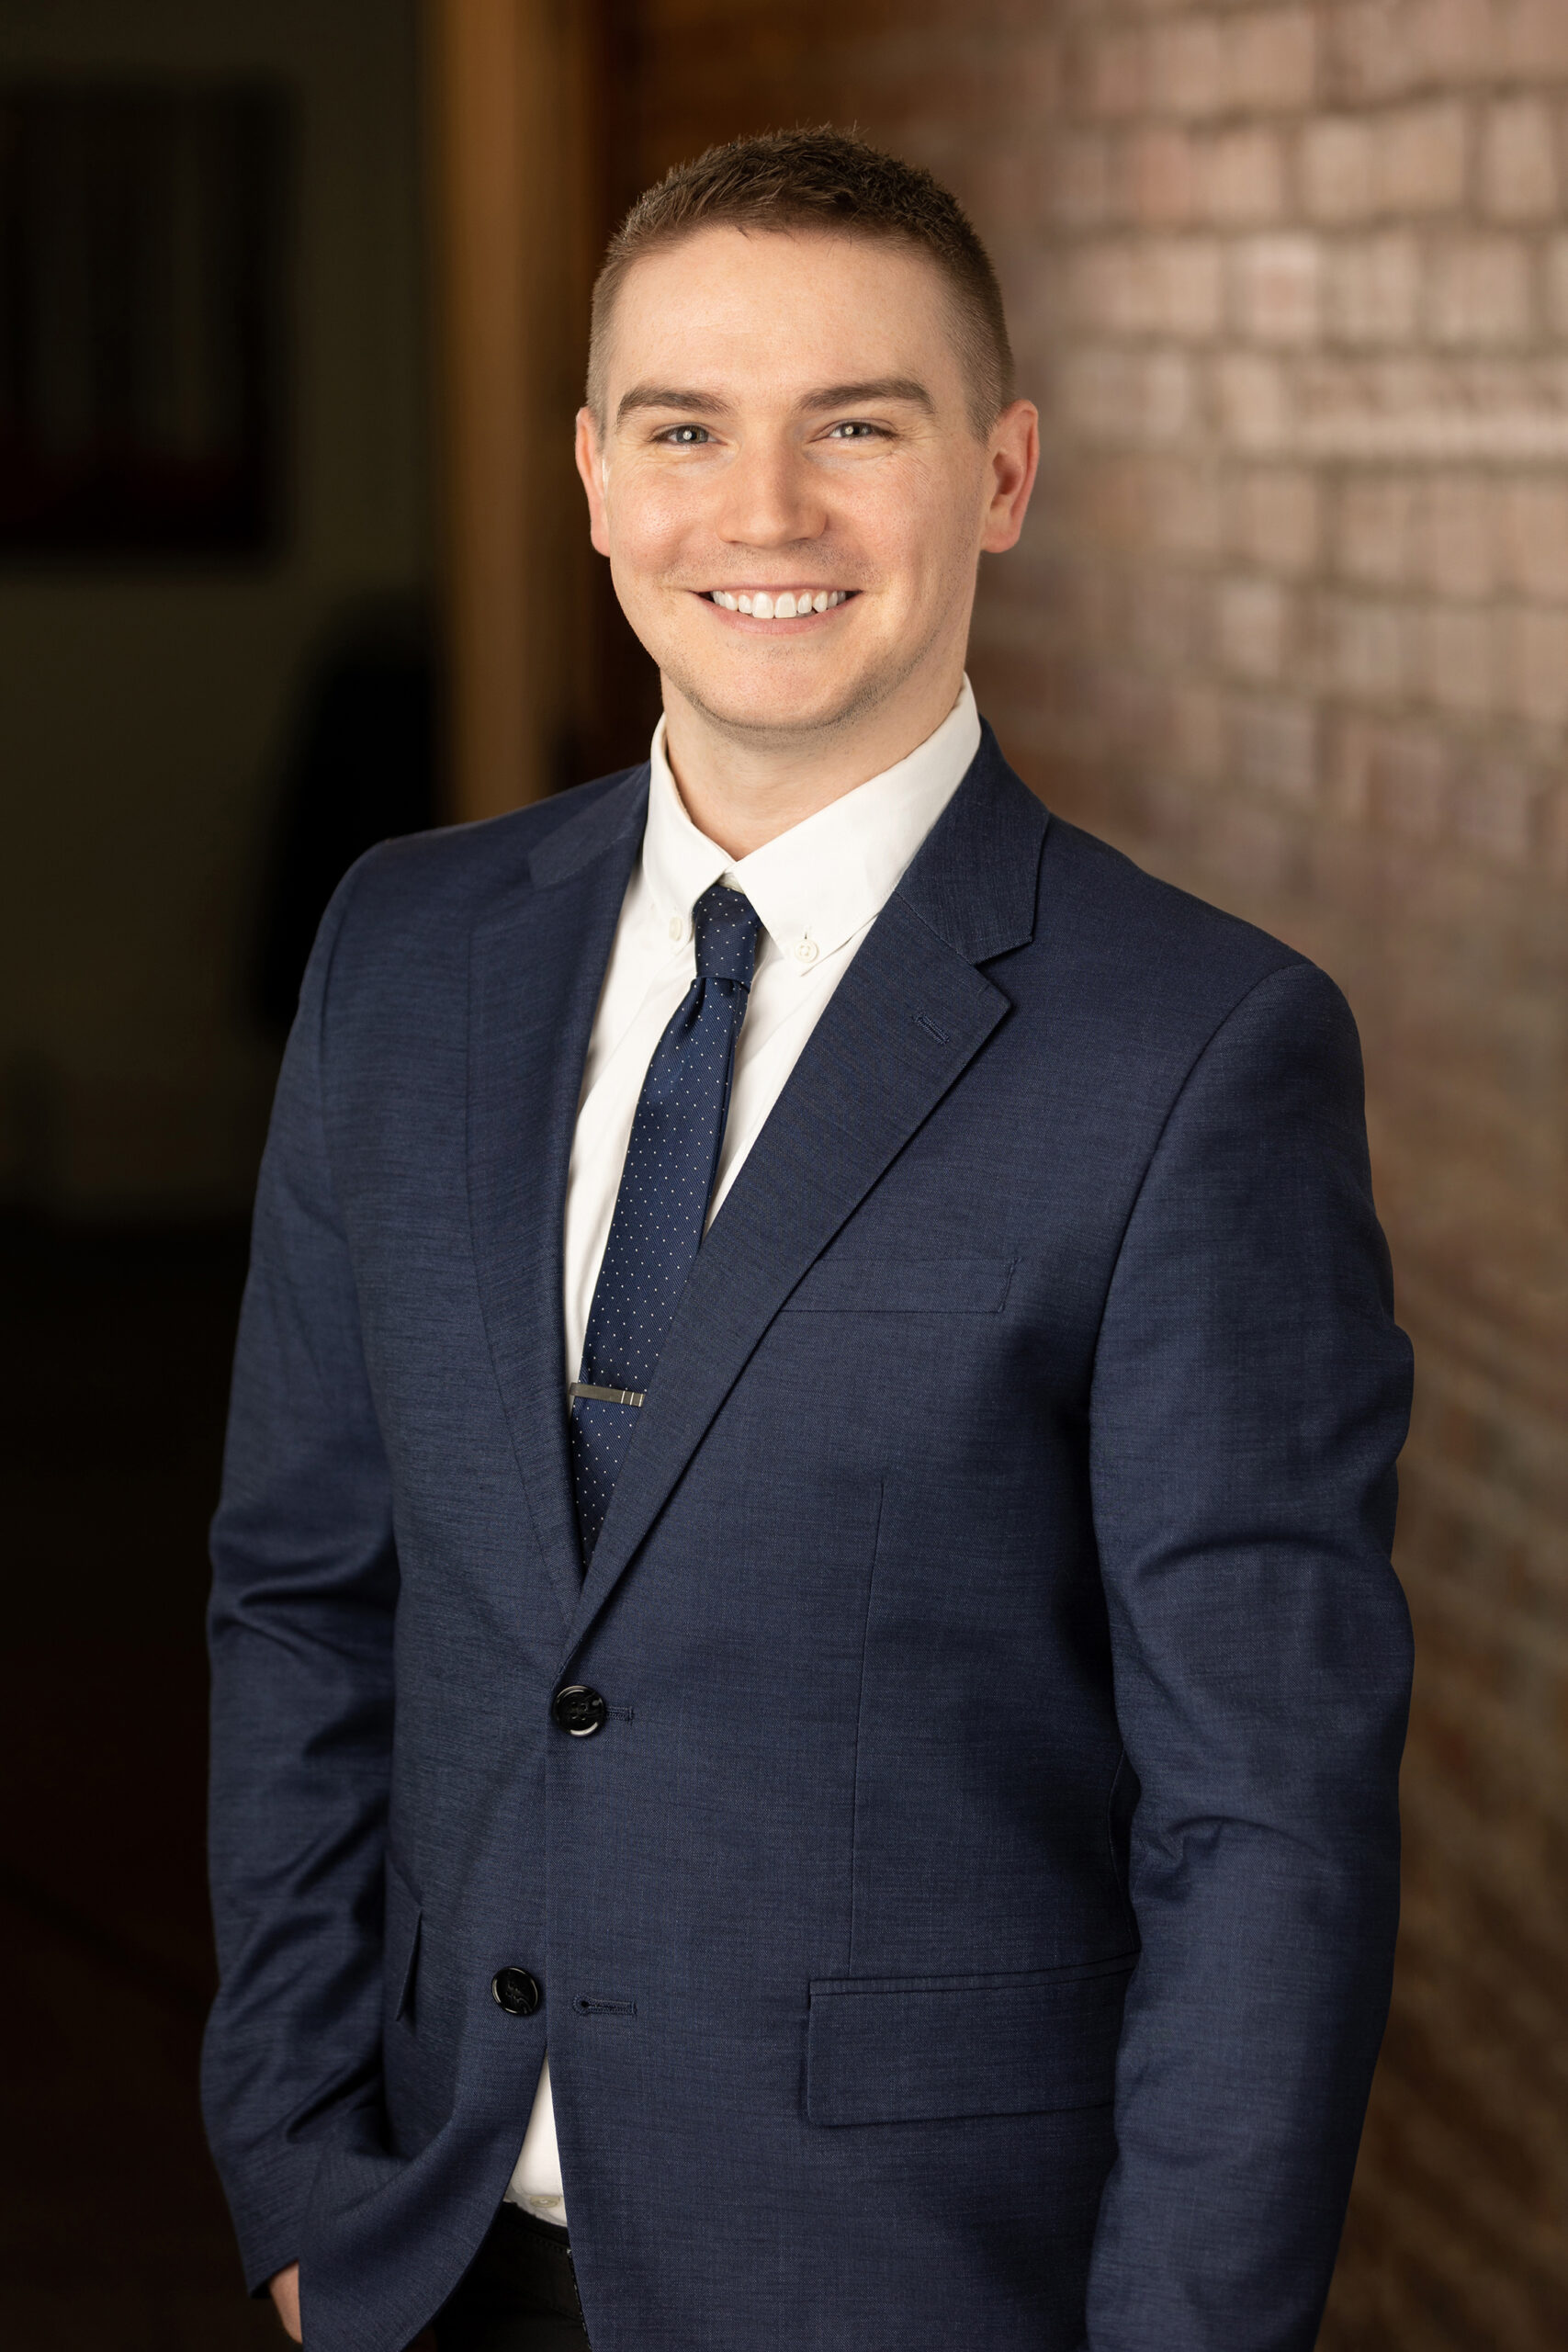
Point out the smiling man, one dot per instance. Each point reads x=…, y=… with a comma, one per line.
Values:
x=807, y=1687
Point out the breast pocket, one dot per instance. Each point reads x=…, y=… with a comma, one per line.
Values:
x=903, y=1287
x=906, y=2050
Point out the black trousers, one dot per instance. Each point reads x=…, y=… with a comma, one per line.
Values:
x=518, y=2295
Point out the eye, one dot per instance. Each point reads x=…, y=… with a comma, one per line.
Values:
x=684, y=436
x=856, y=429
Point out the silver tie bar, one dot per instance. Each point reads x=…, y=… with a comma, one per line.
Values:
x=606, y=1395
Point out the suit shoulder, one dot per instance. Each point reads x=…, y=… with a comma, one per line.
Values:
x=427, y=892
x=1097, y=900
x=1138, y=975
x=480, y=861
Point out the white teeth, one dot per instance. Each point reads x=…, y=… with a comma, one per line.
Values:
x=786, y=606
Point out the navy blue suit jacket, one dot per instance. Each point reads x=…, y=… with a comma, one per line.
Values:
x=972, y=1924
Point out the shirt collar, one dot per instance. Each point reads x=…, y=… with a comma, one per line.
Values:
x=827, y=876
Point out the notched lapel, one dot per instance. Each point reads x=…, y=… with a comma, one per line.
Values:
x=910, y=1015
x=537, y=969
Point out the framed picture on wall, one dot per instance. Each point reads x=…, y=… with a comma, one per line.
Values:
x=143, y=242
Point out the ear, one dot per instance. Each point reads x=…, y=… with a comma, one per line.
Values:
x=592, y=468
x=1013, y=461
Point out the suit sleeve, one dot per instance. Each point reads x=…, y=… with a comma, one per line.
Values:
x=1251, y=1393
x=301, y=1635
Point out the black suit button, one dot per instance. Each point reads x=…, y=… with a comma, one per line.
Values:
x=579, y=1709
x=516, y=1992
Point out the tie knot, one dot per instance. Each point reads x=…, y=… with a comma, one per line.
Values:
x=725, y=925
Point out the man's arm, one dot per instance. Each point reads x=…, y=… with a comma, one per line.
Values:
x=300, y=1629
x=1251, y=1394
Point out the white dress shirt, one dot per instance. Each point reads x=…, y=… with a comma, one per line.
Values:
x=817, y=891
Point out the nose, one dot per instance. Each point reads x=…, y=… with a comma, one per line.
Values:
x=770, y=499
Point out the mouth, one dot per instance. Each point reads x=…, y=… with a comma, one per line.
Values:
x=779, y=604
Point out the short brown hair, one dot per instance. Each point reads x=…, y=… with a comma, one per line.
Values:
x=827, y=180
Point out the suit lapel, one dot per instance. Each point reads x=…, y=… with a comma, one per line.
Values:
x=537, y=966
x=907, y=1018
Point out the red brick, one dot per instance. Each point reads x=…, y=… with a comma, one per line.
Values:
x=1116, y=68
x=1480, y=292
x=1276, y=518
x=1079, y=179
x=1452, y=40
x=1458, y=651
x=1455, y=536
x=1244, y=177
x=1552, y=830
x=1423, y=159
x=1495, y=805
x=1251, y=619
x=1160, y=177
x=1198, y=732
x=1535, y=537
x=1279, y=289
x=1166, y=286
x=1373, y=55
x=1274, y=742
x=1365, y=649
x=1374, y=288
x=1180, y=510
x=1539, y=681
x=1337, y=163
x=1162, y=627
x=1187, y=67
x=1407, y=786
x=1271, y=59
x=1534, y=36
x=1519, y=177
x=1253, y=402
x=1031, y=72
x=1111, y=395
x=1557, y=286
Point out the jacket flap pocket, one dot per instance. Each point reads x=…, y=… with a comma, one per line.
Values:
x=903, y=1287
x=400, y=1950
x=914, y=2049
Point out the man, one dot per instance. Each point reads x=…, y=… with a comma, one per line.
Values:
x=807, y=1520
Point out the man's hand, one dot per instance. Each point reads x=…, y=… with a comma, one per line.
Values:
x=283, y=2289
x=285, y=2293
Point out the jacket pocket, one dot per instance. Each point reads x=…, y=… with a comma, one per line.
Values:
x=399, y=1949
x=903, y=1287
x=906, y=2050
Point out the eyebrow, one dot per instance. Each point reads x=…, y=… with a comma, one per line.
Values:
x=879, y=388
x=694, y=403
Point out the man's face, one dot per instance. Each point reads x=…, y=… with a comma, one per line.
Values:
x=787, y=417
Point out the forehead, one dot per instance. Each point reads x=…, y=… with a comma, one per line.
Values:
x=784, y=309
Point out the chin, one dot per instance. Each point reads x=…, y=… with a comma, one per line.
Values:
x=776, y=703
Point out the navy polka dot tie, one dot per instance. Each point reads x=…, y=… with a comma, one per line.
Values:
x=662, y=1204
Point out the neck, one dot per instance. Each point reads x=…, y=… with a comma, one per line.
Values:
x=742, y=787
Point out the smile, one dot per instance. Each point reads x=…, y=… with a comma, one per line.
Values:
x=779, y=605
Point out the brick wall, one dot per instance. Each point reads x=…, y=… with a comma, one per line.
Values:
x=1290, y=623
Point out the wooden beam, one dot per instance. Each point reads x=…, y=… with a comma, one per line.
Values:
x=515, y=221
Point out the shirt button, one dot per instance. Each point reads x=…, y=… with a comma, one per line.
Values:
x=807, y=951
x=677, y=928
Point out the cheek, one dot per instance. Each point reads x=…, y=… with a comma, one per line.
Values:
x=648, y=520
x=918, y=525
